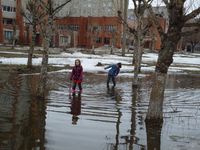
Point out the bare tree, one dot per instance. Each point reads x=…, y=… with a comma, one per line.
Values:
x=14, y=38
x=169, y=40
x=47, y=26
x=94, y=30
x=33, y=15
x=139, y=33
x=192, y=38
x=125, y=9
x=113, y=40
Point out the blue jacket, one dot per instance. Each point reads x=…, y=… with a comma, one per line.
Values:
x=114, y=70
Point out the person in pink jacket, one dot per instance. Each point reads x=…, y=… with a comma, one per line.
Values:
x=77, y=76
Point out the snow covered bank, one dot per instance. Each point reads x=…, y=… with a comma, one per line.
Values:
x=89, y=62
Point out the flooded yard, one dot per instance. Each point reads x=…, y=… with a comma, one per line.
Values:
x=99, y=118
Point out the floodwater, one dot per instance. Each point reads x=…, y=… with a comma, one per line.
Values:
x=98, y=119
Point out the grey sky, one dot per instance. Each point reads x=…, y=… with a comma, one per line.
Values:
x=189, y=4
x=155, y=3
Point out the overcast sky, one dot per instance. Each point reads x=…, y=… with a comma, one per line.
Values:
x=155, y=3
x=189, y=4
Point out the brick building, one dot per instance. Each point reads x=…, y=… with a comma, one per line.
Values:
x=83, y=23
x=88, y=23
x=11, y=22
x=88, y=32
x=152, y=39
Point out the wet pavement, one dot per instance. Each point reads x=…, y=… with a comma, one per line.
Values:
x=99, y=118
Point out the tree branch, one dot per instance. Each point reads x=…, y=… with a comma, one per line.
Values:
x=146, y=29
x=166, y=2
x=131, y=30
x=195, y=24
x=44, y=5
x=193, y=14
x=154, y=21
x=29, y=20
x=60, y=7
x=188, y=33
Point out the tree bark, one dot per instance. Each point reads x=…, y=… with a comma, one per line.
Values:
x=155, y=109
x=165, y=57
x=138, y=52
x=46, y=43
x=169, y=40
x=43, y=72
x=124, y=27
x=30, y=54
x=14, y=35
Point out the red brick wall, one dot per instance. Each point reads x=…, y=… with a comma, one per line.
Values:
x=85, y=34
x=1, y=24
x=19, y=22
x=162, y=22
x=155, y=34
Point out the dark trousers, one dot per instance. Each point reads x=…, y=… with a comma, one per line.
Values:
x=79, y=85
x=110, y=77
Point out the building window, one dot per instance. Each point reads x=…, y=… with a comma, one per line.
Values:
x=73, y=27
x=109, y=28
x=98, y=40
x=63, y=40
x=8, y=8
x=8, y=21
x=4, y=8
x=99, y=28
x=106, y=41
x=8, y=35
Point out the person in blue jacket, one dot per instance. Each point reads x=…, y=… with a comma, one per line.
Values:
x=112, y=73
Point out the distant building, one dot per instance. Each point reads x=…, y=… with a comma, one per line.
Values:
x=83, y=23
x=11, y=22
x=152, y=39
x=87, y=23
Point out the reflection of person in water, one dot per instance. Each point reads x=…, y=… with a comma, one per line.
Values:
x=114, y=94
x=75, y=108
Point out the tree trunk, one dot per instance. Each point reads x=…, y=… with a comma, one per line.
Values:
x=155, y=109
x=136, y=63
x=138, y=53
x=93, y=52
x=14, y=36
x=169, y=41
x=124, y=27
x=112, y=44
x=30, y=54
x=165, y=57
x=43, y=73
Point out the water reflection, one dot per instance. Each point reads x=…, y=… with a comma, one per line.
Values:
x=75, y=108
x=114, y=94
x=22, y=117
x=99, y=118
x=153, y=130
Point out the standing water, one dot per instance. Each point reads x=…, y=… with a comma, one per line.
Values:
x=99, y=118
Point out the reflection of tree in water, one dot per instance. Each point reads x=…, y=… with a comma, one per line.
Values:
x=129, y=140
x=75, y=108
x=115, y=95
x=37, y=116
x=22, y=116
x=154, y=118
x=153, y=129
